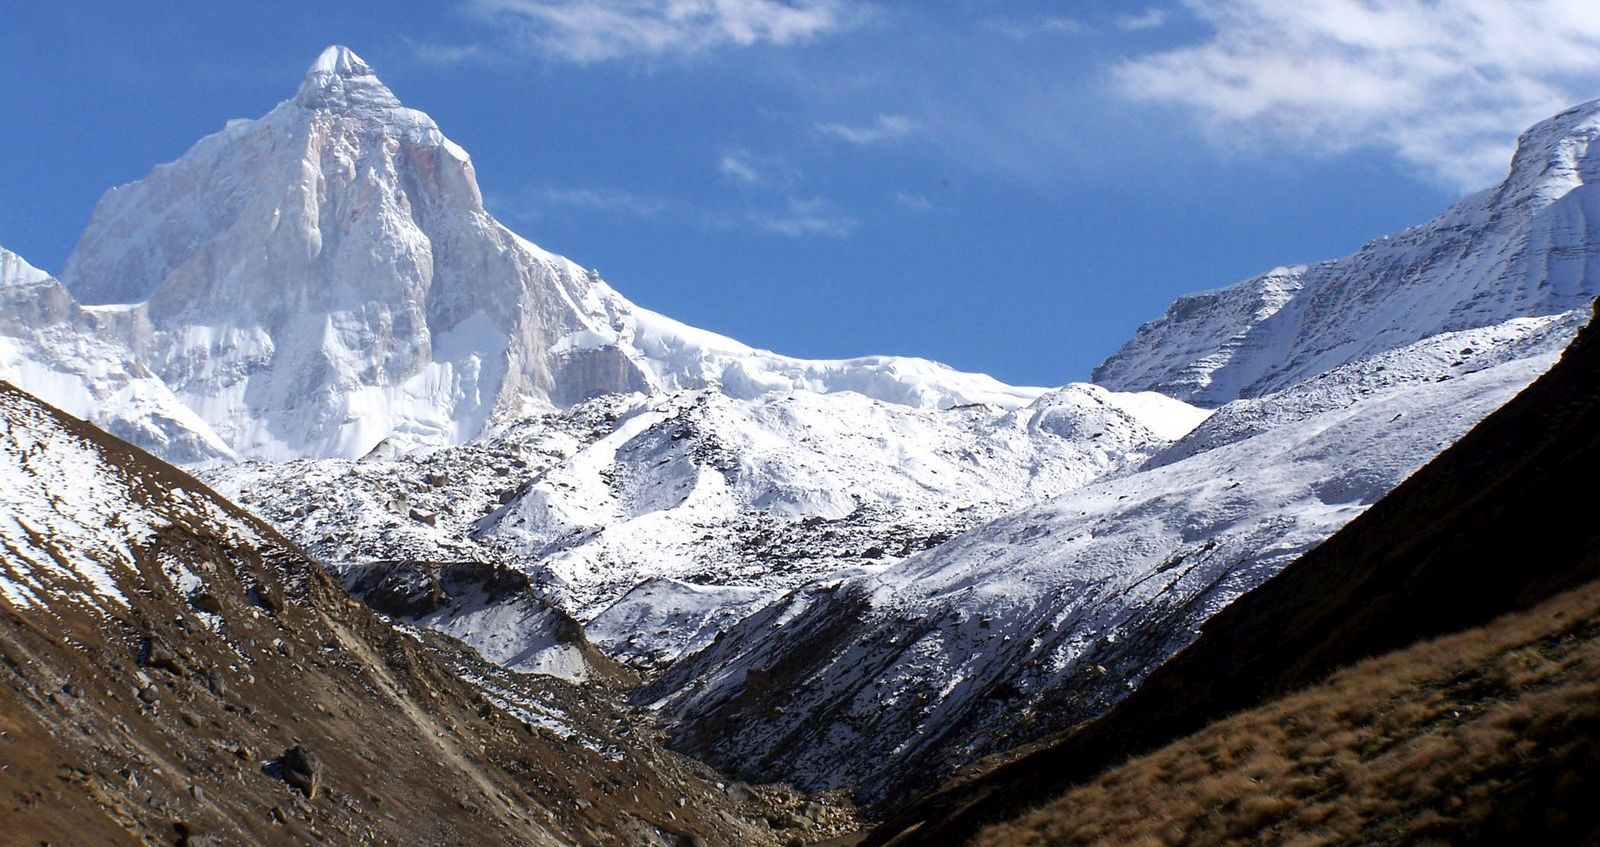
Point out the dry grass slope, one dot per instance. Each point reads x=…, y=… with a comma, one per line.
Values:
x=1487, y=736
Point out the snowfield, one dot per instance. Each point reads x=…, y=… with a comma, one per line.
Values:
x=718, y=503
x=668, y=492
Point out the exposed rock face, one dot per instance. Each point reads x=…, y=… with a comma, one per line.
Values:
x=1525, y=248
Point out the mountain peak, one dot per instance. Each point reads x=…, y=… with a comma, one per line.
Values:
x=340, y=77
x=1556, y=155
x=15, y=271
x=341, y=60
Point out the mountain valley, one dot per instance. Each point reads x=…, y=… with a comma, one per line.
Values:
x=335, y=511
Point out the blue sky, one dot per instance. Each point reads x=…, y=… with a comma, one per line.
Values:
x=1009, y=187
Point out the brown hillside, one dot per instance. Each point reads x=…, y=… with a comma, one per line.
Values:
x=1484, y=737
x=269, y=707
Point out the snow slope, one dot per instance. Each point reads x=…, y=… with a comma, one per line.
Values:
x=667, y=492
x=69, y=528
x=326, y=277
x=72, y=358
x=1528, y=247
x=884, y=679
x=660, y=520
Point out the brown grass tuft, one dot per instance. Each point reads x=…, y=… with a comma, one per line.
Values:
x=1480, y=736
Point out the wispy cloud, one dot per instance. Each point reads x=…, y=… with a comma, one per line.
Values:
x=1022, y=29
x=1444, y=85
x=772, y=212
x=741, y=167
x=885, y=128
x=1151, y=18
x=737, y=166
x=589, y=31
x=600, y=200
x=805, y=217
x=769, y=193
x=538, y=203
x=913, y=201
x=447, y=54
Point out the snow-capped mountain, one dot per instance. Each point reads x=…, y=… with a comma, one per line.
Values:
x=885, y=679
x=859, y=573
x=660, y=520
x=1485, y=532
x=325, y=282
x=1526, y=247
x=1356, y=372
x=326, y=277
x=73, y=358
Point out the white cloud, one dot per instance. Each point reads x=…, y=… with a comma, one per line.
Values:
x=771, y=203
x=739, y=169
x=1443, y=85
x=448, y=54
x=614, y=200
x=777, y=214
x=805, y=217
x=913, y=201
x=740, y=166
x=1022, y=29
x=1148, y=19
x=744, y=168
x=587, y=31
x=885, y=128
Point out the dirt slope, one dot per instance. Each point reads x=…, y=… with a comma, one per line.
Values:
x=257, y=703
